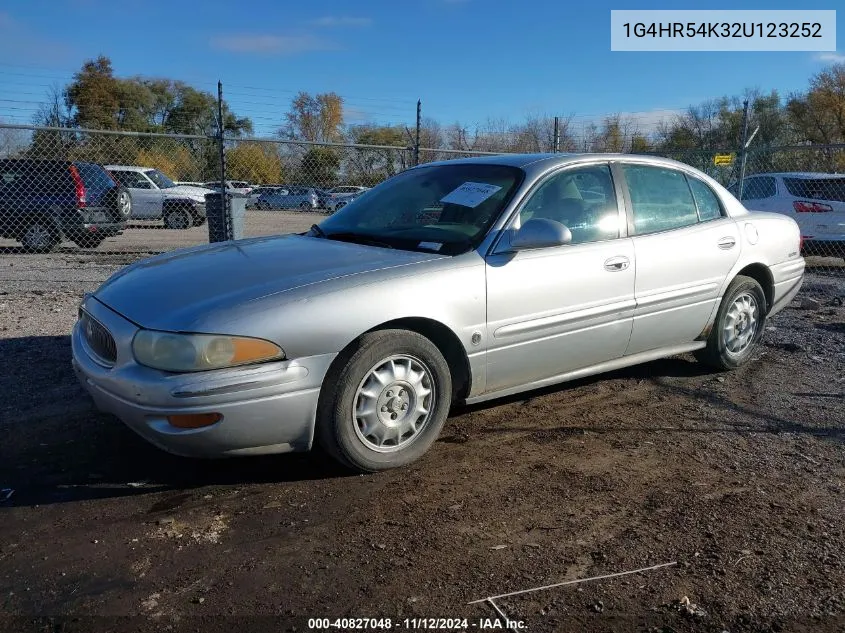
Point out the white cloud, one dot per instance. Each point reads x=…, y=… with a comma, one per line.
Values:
x=831, y=58
x=341, y=21
x=271, y=44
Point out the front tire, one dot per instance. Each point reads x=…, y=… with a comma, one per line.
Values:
x=385, y=402
x=739, y=325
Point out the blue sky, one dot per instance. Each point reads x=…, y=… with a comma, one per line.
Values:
x=466, y=59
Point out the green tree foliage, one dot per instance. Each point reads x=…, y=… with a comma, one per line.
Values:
x=369, y=167
x=255, y=162
x=319, y=167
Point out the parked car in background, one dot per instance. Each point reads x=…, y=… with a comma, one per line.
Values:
x=45, y=202
x=335, y=202
x=190, y=183
x=458, y=281
x=156, y=197
x=304, y=198
x=815, y=201
x=258, y=191
x=240, y=187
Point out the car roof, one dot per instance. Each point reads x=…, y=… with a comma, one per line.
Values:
x=542, y=162
x=809, y=175
x=128, y=167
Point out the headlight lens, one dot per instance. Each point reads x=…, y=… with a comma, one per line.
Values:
x=199, y=352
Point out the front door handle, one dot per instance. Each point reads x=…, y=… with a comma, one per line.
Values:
x=615, y=264
x=727, y=242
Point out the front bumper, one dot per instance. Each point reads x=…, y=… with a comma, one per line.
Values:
x=269, y=408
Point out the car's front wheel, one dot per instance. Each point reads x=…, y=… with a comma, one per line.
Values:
x=178, y=218
x=385, y=403
x=739, y=325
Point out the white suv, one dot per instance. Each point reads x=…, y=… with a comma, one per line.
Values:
x=155, y=196
x=815, y=201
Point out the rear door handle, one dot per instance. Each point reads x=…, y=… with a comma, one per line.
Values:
x=726, y=242
x=615, y=264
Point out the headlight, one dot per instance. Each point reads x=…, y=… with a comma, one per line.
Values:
x=198, y=352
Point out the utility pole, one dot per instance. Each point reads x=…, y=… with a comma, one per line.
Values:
x=743, y=147
x=220, y=130
x=556, y=145
x=417, y=137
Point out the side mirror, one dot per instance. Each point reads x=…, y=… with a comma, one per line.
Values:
x=540, y=233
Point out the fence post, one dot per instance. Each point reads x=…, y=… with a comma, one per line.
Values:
x=556, y=145
x=743, y=148
x=417, y=136
x=220, y=129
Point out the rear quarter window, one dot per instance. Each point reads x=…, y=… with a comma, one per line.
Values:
x=94, y=176
x=816, y=188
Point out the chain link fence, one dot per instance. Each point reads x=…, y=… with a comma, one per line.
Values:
x=58, y=187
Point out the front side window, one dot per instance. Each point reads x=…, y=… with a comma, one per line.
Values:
x=161, y=181
x=446, y=209
x=131, y=179
x=708, y=204
x=582, y=199
x=661, y=199
x=759, y=188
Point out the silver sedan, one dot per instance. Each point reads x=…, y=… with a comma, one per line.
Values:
x=458, y=281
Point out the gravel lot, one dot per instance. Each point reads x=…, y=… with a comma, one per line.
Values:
x=737, y=477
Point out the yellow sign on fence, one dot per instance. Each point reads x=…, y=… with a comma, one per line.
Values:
x=723, y=160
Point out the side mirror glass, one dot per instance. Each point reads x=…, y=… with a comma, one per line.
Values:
x=540, y=233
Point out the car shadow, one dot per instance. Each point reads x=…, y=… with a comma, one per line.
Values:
x=58, y=448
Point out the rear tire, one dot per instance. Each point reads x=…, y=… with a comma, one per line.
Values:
x=90, y=241
x=305, y=206
x=178, y=218
x=384, y=403
x=739, y=325
x=39, y=237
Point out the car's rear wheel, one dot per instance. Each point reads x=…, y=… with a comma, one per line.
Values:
x=178, y=218
x=385, y=402
x=305, y=206
x=39, y=237
x=739, y=325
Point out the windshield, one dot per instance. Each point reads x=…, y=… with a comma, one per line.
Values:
x=442, y=208
x=162, y=181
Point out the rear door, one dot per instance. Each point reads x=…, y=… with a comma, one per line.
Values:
x=685, y=247
x=147, y=199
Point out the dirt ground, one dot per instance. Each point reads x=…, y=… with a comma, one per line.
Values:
x=737, y=478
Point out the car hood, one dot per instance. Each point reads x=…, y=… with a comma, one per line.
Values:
x=175, y=291
x=188, y=190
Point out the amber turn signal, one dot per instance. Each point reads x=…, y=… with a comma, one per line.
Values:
x=194, y=420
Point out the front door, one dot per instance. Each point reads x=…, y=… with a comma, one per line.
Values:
x=554, y=310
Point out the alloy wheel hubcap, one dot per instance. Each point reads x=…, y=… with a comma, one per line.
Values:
x=741, y=323
x=393, y=403
x=37, y=236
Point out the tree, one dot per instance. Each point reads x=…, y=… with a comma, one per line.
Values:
x=319, y=167
x=370, y=166
x=819, y=114
x=94, y=95
x=254, y=162
x=317, y=119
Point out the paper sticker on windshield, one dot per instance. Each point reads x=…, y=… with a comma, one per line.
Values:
x=430, y=246
x=470, y=194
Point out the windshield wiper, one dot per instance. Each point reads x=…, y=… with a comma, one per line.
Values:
x=359, y=238
x=318, y=231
